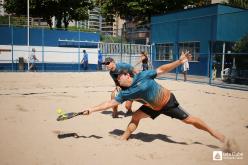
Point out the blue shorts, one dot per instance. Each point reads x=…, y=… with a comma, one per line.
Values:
x=145, y=67
x=171, y=109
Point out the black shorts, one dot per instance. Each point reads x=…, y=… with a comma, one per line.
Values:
x=171, y=109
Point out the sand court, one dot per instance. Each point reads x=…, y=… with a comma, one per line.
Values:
x=30, y=133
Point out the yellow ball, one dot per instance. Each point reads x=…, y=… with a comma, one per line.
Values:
x=59, y=111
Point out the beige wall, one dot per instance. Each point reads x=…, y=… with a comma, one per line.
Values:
x=1, y=8
x=218, y=1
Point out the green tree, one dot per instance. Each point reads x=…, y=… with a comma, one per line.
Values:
x=63, y=10
x=238, y=3
x=241, y=46
x=16, y=7
x=45, y=9
x=72, y=10
x=142, y=10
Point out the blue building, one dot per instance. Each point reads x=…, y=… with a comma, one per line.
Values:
x=202, y=31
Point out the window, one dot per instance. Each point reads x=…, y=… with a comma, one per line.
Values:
x=164, y=51
x=192, y=47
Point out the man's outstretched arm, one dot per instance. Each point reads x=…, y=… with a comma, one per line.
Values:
x=104, y=106
x=168, y=67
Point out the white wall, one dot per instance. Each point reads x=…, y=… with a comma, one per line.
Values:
x=51, y=54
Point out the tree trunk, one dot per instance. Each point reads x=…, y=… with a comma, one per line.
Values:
x=49, y=22
x=66, y=22
x=59, y=22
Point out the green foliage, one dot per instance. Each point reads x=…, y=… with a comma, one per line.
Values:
x=142, y=10
x=112, y=39
x=16, y=7
x=4, y=20
x=241, y=46
x=16, y=21
x=63, y=10
x=238, y=3
x=74, y=28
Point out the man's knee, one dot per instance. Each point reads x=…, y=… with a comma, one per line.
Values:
x=138, y=115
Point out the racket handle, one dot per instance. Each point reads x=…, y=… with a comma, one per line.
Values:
x=86, y=112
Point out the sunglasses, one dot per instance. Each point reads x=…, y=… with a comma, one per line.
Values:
x=107, y=63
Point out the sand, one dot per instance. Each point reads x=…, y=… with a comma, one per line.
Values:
x=31, y=135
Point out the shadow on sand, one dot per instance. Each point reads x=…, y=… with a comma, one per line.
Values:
x=145, y=137
x=121, y=114
x=75, y=135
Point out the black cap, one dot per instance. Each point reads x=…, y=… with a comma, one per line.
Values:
x=107, y=60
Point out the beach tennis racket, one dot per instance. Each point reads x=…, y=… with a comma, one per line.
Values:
x=70, y=115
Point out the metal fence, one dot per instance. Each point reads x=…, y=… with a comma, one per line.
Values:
x=228, y=70
x=16, y=58
x=128, y=53
x=59, y=50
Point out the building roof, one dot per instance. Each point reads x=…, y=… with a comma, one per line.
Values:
x=201, y=8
